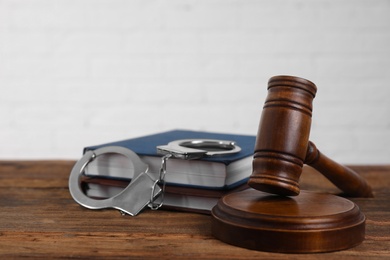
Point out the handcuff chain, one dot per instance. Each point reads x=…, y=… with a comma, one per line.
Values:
x=161, y=182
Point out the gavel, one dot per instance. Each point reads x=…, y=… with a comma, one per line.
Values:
x=283, y=147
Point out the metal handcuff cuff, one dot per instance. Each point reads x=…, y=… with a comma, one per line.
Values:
x=145, y=188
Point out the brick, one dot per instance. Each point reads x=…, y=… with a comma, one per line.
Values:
x=122, y=66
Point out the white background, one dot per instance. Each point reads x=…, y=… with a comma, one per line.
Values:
x=75, y=73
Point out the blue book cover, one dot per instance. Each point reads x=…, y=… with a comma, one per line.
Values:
x=216, y=172
x=146, y=145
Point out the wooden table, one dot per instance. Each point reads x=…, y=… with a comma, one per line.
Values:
x=39, y=219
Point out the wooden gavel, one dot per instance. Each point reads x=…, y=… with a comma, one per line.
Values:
x=283, y=146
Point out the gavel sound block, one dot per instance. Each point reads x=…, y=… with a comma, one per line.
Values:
x=275, y=215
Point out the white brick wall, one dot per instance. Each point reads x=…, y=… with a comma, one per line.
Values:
x=83, y=72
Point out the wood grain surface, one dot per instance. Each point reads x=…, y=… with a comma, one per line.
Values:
x=39, y=219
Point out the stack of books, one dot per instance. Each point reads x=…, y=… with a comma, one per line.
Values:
x=191, y=185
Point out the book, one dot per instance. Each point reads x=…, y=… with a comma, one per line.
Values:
x=219, y=172
x=179, y=198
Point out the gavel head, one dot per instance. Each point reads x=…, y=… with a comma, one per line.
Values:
x=283, y=136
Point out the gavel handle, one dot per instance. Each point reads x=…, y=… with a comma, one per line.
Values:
x=344, y=178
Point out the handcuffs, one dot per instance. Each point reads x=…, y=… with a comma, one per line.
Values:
x=145, y=189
